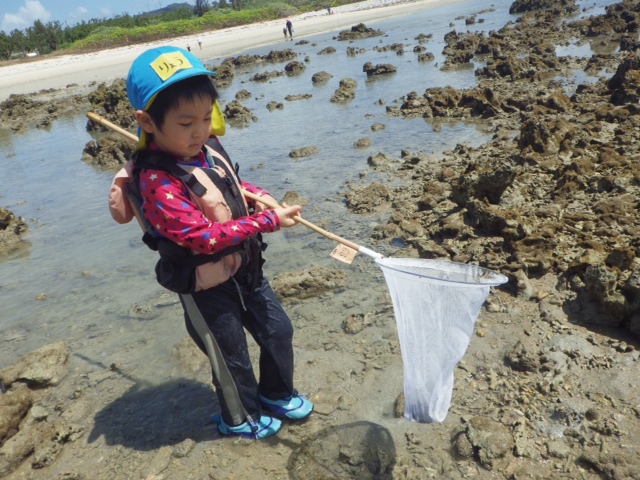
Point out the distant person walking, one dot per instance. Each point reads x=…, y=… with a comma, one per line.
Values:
x=200, y=44
x=189, y=47
x=290, y=28
x=284, y=30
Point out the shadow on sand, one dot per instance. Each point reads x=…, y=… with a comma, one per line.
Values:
x=149, y=417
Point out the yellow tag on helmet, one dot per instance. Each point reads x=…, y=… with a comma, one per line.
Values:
x=218, y=125
x=168, y=64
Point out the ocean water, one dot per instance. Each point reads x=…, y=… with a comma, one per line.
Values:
x=83, y=279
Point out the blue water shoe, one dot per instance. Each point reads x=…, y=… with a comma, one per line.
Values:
x=266, y=427
x=295, y=407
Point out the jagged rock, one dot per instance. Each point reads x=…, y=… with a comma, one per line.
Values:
x=243, y=95
x=225, y=73
x=382, y=69
x=43, y=367
x=12, y=228
x=519, y=6
x=625, y=83
x=280, y=55
x=112, y=103
x=311, y=282
x=265, y=76
x=20, y=112
x=367, y=198
x=294, y=68
x=303, y=152
x=327, y=51
x=321, y=77
x=271, y=106
x=345, y=92
x=426, y=57
x=237, y=115
x=363, y=143
x=357, y=32
x=110, y=152
x=490, y=440
x=353, y=51
x=303, y=96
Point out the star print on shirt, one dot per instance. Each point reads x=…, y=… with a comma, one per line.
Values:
x=169, y=207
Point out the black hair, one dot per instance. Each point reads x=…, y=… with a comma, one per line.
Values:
x=189, y=89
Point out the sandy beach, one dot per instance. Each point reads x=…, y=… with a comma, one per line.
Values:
x=107, y=65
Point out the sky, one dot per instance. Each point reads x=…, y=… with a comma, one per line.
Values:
x=20, y=14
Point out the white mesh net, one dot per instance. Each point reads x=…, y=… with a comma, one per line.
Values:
x=436, y=304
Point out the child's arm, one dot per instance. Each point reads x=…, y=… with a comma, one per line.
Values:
x=119, y=205
x=169, y=209
x=259, y=207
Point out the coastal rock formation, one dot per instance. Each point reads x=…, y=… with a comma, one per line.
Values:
x=345, y=92
x=320, y=78
x=357, y=32
x=380, y=69
x=565, y=7
x=308, y=283
x=238, y=115
x=110, y=152
x=327, y=51
x=304, y=152
x=294, y=68
x=575, y=148
x=548, y=389
x=111, y=103
x=12, y=228
x=243, y=95
x=21, y=112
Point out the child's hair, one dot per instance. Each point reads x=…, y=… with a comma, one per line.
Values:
x=188, y=89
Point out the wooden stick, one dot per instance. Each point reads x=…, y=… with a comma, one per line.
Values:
x=306, y=223
x=103, y=121
x=347, y=243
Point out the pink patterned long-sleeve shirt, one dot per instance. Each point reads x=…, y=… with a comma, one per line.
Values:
x=169, y=208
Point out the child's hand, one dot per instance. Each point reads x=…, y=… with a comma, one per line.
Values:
x=286, y=214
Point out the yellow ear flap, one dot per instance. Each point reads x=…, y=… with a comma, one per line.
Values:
x=218, y=126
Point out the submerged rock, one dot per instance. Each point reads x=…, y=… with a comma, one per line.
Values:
x=357, y=32
x=12, y=228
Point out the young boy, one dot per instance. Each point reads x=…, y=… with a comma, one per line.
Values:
x=209, y=242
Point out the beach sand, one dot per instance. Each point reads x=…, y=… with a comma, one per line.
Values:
x=107, y=65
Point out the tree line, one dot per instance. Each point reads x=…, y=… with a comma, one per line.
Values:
x=43, y=38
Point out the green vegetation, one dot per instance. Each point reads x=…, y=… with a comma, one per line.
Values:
x=126, y=29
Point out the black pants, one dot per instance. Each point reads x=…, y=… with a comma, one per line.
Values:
x=216, y=320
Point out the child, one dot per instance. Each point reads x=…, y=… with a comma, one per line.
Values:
x=209, y=242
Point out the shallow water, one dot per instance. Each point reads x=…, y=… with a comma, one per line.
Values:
x=81, y=275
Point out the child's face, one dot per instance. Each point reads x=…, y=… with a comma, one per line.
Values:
x=186, y=128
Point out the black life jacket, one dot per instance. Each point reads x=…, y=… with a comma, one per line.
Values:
x=176, y=268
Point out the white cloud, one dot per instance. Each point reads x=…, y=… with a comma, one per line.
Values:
x=32, y=11
x=78, y=15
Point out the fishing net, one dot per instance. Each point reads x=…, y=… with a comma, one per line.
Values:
x=436, y=304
